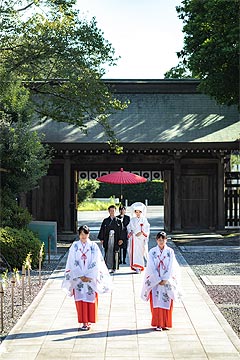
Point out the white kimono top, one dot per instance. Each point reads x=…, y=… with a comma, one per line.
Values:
x=138, y=245
x=139, y=224
x=85, y=260
x=162, y=265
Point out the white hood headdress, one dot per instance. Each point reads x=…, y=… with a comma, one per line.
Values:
x=138, y=206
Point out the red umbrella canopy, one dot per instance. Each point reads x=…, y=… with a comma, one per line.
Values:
x=122, y=177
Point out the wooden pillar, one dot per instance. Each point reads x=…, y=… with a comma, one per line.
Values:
x=67, y=194
x=177, y=221
x=75, y=205
x=220, y=196
x=167, y=200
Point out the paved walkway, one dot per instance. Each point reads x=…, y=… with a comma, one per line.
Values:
x=48, y=329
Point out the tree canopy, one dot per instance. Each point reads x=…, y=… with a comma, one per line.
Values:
x=211, y=47
x=24, y=159
x=51, y=64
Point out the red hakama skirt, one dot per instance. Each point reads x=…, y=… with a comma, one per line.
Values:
x=87, y=312
x=161, y=317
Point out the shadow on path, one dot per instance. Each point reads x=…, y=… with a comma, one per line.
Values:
x=79, y=334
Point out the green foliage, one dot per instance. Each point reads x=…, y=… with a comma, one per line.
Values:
x=51, y=64
x=16, y=244
x=4, y=279
x=86, y=189
x=95, y=205
x=180, y=71
x=16, y=275
x=12, y=214
x=28, y=261
x=234, y=161
x=23, y=157
x=211, y=47
x=41, y=251
x=151, y=190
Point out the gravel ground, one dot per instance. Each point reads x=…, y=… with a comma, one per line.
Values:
x=227, y=298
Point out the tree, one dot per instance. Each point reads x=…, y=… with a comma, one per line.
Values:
x=24, y=160
x=86, y=189
x=211, y=46
x=180, y=71
x=51, y=63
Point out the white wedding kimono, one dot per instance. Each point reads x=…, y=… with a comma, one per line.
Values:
x=162, y=265
x=138, y=245
x=85, y=260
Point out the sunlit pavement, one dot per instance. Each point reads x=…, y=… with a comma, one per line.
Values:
x=49, y=329
x=93, y=219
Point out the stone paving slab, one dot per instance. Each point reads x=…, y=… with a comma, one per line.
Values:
x=221, y=279
x=49, y=330
x=210, y=248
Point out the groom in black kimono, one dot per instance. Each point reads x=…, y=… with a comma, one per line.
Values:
x=110, y=237
x=125, y=220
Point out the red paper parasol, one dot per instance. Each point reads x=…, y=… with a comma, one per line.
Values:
x=122, y=177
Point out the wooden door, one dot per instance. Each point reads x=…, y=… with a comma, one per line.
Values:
x=46, y=199
x=196, y=205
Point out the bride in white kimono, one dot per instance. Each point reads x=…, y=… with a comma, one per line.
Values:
x=86, y=275
x=138, y=235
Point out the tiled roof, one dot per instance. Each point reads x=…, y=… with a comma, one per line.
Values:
x=157, y=117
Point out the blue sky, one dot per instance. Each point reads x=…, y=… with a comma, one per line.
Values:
x=145, y=33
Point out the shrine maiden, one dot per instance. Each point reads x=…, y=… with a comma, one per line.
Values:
x=161, y=283
x=86, y=275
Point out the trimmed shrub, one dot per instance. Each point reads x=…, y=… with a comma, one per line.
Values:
x=15, y=244
x=86, y=189
x=13, y=215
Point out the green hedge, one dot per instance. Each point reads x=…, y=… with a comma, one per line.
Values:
x=15, y=244
x=12, y=215
x=153, y=191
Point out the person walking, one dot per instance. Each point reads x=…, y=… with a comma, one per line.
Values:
x=161, y=283
x=138, y=235
x=125, y=219
x=86, y=275
x=110, y=236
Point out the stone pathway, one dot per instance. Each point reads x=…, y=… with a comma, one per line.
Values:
x=49, y=330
